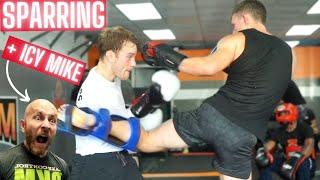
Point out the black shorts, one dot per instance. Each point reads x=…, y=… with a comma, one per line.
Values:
x=113, y=165
x=232, y=144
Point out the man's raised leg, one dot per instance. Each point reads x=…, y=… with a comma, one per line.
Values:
x=159, y=139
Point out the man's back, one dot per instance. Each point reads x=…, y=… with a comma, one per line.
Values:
x=256, y=81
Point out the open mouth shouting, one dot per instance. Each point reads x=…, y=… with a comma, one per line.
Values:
x=42, y=139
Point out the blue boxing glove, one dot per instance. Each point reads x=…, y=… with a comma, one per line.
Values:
x=132, y=142
x=102, y=125
x=72, y=120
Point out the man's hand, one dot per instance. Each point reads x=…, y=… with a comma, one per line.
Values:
x=164, y=87
x=290, y=167
x=263, y=158
x=159, y=54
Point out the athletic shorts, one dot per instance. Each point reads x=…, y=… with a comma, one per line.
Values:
x=232, y=144
x=113, y=165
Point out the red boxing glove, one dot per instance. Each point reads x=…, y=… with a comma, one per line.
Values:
x=148, y=52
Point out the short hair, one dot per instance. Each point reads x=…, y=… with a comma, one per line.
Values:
x=254, y=7
x=113, y=39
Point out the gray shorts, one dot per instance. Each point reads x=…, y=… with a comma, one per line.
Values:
x=232, y=144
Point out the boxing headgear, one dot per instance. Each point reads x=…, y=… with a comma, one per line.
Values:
x=287, y=113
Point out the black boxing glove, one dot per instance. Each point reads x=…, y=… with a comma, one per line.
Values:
x=290, y=166
x=164, y=87
x=263, y=158
x=159, y=54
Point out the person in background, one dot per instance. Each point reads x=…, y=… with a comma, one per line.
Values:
x=306, y=114
x=296, y=158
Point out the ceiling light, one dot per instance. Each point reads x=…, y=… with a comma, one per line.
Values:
x=139, y=11
x=315, y=9
x=303, y=30
x=160, y=34
x=292, y=43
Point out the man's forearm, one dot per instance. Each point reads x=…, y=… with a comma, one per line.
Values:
x=308, y=147
x=314, y=126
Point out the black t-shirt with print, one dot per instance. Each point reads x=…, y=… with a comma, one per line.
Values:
x=19, y=163
x=302, y=132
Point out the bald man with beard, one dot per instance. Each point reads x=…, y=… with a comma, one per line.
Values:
x=32, y=159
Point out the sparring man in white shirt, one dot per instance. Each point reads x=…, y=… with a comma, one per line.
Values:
x=95, y=158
